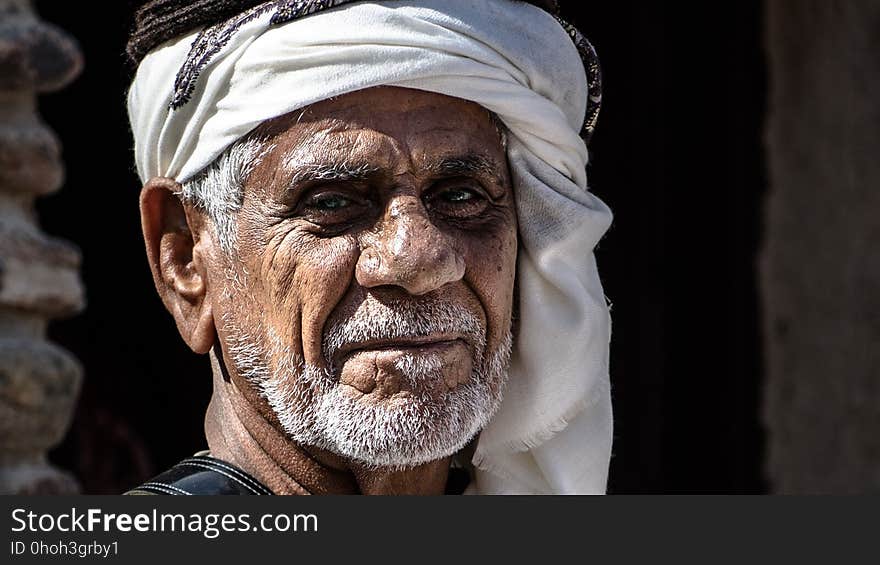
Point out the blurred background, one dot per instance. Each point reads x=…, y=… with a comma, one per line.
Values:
x=738, y=148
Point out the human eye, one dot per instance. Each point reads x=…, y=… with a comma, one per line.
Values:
x=328, y=202
x=332, y=207
x=457, y=200
x=458, y=195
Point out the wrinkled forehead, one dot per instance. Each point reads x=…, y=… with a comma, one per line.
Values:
x=387, y=109
x=386, y=128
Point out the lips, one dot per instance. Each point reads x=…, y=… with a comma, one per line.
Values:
x=403, y=344
x=380, y=368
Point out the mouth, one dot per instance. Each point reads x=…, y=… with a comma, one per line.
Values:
x=414, y=344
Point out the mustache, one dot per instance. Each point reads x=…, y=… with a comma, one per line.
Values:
x=374, y=321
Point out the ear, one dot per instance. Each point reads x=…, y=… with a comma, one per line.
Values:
x=176, y=250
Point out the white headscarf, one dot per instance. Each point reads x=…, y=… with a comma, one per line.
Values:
x=553, y=431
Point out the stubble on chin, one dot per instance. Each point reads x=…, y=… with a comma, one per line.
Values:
x=403, y=430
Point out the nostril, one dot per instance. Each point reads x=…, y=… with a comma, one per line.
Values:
x=368, y=269
x=370, y=260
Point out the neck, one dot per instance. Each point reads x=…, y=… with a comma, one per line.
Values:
x=240, y=429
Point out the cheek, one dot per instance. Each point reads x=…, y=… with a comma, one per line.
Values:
x=491, y=271
x=305, y=278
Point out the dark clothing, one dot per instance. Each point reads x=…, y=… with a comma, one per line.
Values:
x=202, y=474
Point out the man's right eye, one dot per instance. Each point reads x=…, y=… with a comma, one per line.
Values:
x=333, y=208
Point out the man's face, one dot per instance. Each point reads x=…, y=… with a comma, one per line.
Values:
x=369, y=295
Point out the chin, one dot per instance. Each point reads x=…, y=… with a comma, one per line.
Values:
x=409, y=428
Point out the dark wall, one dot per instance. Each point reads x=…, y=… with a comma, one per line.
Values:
x=677, y=155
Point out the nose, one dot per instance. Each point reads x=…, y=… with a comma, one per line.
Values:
x=409, y=251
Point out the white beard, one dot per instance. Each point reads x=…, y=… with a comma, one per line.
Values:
x=406, y=430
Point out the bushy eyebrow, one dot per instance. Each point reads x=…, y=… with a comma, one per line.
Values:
x=470, y=164
x=338, y=172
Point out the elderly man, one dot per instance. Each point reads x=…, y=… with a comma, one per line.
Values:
x=374, y=217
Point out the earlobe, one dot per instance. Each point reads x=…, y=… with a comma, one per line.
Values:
x=172, y=240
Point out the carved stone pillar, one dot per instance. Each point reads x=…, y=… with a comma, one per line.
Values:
x=39, y=277
x=820, y=268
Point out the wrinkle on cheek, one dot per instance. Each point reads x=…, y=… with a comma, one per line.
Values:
x=491, y=274
x=280, y=308
x=324, y=276
x=279, y=266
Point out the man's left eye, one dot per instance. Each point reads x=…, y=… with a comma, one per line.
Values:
x=329, y=202
x=457, y=201
x=458, y=195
